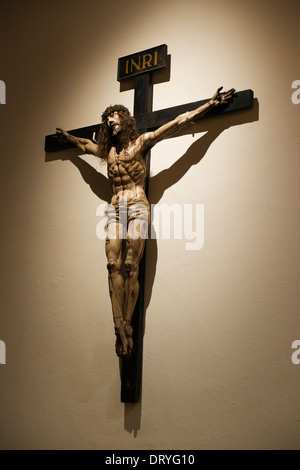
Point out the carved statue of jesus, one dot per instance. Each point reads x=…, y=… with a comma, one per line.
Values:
x=125, y=152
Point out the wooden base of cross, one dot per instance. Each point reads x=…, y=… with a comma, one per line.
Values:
x=146, y=119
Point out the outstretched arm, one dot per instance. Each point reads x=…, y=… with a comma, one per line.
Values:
x=151, y=138
x=86, y=145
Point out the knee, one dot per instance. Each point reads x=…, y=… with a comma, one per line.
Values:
x=113, y=266
x=132, y=267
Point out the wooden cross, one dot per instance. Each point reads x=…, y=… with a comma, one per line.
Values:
x=141, y=66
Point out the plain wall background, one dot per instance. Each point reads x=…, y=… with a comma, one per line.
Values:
x=217, y=369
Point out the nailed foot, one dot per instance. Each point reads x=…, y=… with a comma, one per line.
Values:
x=128, y=332
x=121, y=341
x=124, y=343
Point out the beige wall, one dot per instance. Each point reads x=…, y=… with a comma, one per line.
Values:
x=221, y=320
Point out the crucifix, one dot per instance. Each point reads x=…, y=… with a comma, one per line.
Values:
x=126, y=149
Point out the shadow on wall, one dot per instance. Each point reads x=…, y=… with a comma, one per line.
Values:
x=158, y=184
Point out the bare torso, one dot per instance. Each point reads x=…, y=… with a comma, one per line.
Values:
x=127, y=173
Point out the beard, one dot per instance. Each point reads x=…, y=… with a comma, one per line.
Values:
x=118, y=138
x=116, y=130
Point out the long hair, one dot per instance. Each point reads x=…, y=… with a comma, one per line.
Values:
x=126, y=136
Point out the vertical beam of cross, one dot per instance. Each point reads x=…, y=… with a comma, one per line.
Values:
x=132, y=368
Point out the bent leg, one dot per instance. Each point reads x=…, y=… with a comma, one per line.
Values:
x=135, y=247
x=113, y=248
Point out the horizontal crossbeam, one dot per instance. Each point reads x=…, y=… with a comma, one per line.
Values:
x=151, y=121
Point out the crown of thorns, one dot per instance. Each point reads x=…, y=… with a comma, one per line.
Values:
x=112, y=109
